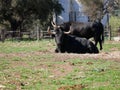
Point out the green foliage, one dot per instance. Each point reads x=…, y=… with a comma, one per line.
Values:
x=99, y=7
x=19, y=12
x=108, y=46
x=28, y=46
x=96, y=10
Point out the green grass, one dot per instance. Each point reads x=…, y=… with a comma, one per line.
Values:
x=30, y=66
x=97, y=72
x=23, y=46
x=111, y=46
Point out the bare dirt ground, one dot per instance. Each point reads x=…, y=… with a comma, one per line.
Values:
x=115, y=55
x=112, y=55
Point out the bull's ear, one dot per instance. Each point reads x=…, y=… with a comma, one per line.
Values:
x=49, y=31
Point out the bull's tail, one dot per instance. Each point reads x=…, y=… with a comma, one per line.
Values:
x=102, y=34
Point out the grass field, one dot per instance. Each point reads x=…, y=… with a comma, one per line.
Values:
x=114, y=22
x=33, y=65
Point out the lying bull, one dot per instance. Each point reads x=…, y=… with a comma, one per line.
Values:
x=72, y=44
x=86, y=30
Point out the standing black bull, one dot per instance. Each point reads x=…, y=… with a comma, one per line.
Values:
x=72, y=44
x=86, y=30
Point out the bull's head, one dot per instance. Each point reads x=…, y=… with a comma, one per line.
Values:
x=59, y=36
x=56, y=27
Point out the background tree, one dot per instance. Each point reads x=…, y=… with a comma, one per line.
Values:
x=16, y=13
x=97, y=8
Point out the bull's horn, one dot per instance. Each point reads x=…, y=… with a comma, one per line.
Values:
x=53, y=24
x=67, y=32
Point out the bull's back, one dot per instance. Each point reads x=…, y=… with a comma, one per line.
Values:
x=82, y=30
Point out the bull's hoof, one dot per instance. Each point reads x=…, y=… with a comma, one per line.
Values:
x=101, y=48
x=56, y=51
x=96, y=52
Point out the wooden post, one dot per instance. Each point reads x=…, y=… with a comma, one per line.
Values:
x=38, y=33
x=2, y=36
x=109, y=27
x=110, y=34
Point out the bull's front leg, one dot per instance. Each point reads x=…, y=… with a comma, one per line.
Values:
x=56, y=50
x=100, y=43
x=59, y=49
x=96, y=41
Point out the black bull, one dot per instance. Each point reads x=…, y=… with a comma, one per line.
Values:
x=86, y=30
x=72, y=44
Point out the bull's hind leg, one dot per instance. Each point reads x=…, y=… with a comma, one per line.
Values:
x=100, y=43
